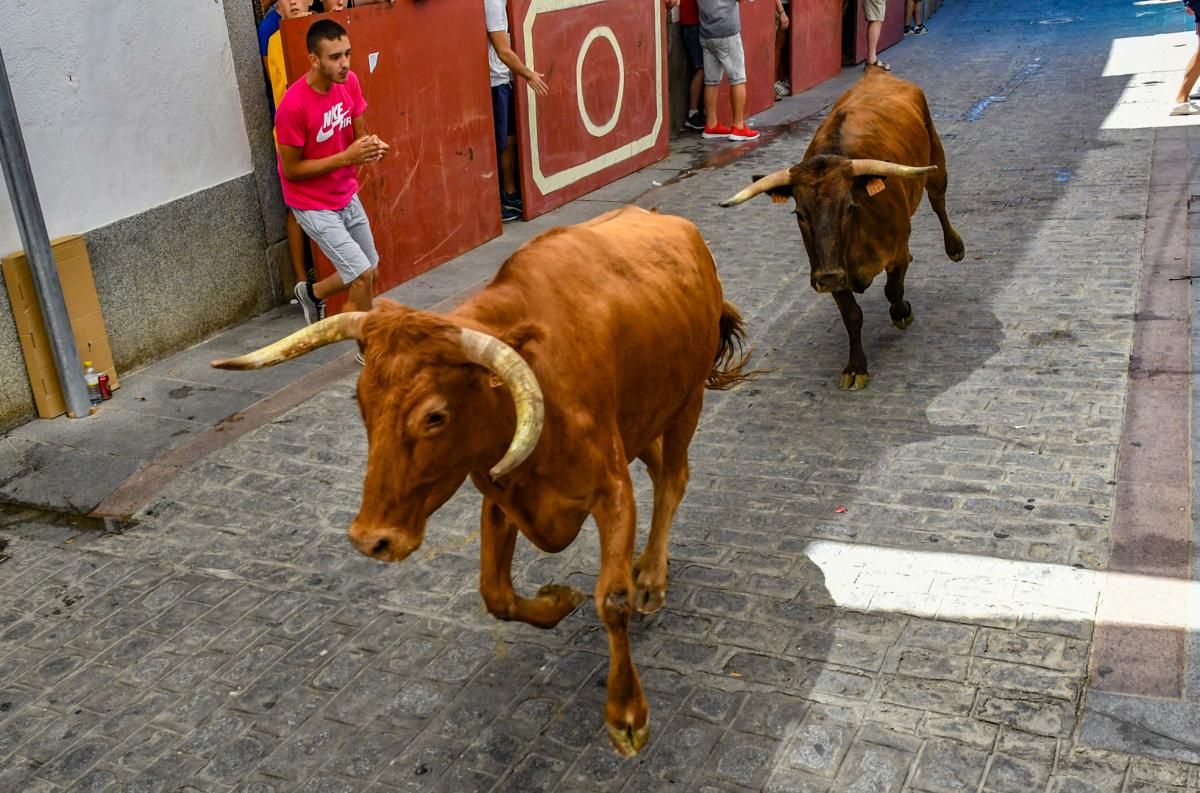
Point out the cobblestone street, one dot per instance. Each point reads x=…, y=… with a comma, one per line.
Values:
x=936, y=635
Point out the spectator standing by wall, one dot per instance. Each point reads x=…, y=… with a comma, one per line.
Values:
x=915, y=11
x=322, y=139
x=874, y=11
x=783, y=81
x=1183, y=105
x=721, y=41
x=503, y=62
x=689, y=31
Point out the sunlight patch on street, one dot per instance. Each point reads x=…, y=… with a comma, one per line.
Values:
x=1154, y=66
x=968, y=588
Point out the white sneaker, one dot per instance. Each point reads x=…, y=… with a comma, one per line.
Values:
x=781, y=89
x=1185, y=109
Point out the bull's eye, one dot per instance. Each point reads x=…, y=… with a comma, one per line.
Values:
x=435, y=419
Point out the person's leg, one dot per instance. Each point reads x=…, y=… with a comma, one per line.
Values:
x=345, y=237
x=712, y=79
x=873, y=28
x=780, y=39
x=695, y=58
x=1192, y=74
x=910, y=14
x=733, y=60
x=362, y=289
x=737, y=104
x=508, y=166
x=295, y=242
x=360, y=292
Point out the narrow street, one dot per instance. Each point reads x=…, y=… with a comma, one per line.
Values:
x=1007, y=602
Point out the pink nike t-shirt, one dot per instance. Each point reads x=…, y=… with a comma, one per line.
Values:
x=322, y=126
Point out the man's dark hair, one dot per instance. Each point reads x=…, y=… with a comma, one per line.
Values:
x=323, y=30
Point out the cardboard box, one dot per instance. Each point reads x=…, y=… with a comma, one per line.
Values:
x=83, y=310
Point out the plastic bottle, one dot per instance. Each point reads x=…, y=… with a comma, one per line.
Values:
x=93, y=383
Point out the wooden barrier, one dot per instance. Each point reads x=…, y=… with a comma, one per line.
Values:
x=606, y=114
x=816, y=42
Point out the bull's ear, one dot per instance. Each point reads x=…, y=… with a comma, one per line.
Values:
x=523, y=336
x=779, y=195
x=873, y=185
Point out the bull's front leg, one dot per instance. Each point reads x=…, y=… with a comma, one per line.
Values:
x=498, y=539
x=855, y=376
x=626, y=713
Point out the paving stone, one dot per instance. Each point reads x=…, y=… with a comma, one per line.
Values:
x=873, y=768
x=946, y=766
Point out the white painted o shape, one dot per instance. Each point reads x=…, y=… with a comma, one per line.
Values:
x=594, y=129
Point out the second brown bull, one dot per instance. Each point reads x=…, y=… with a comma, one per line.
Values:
x=856, y=190
x=592, y=346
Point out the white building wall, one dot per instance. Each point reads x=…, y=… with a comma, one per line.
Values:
x=125, y=105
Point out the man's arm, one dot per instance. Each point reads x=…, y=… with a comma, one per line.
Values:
x=297, y=169
x=509, y=58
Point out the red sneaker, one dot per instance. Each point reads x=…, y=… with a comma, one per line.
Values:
x=743, y=133
x=719, y=131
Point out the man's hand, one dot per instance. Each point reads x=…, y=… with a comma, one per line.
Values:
x=537, y=82
x=368, y=148
x=783, y=20
x=671, y=4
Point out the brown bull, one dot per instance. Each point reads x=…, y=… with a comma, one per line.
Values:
x=592, y=346
x=854, y=221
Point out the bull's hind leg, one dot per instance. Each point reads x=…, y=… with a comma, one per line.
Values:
x=499, y=538
x=667, y=462
x=900, y=309
x=935, y=186
x=855, y=376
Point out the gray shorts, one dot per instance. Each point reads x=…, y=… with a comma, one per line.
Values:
x=724, y=57
x=873, y=10
x=344, y=235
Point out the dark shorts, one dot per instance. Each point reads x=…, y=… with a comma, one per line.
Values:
x=691, y=45
x=504, y=114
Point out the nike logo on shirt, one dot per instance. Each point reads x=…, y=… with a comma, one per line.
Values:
x=336, y=117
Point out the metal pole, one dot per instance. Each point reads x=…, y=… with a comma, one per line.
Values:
x=28, y=210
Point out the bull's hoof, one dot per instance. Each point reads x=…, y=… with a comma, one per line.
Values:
x=650, y=588
x=626, y=740
x=955, y=249
x=854, y=382
x=567, y=598
x=648, y=601
x=903, y=323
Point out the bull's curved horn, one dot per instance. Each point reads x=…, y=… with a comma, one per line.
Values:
x=884, y=168
x=504, y=362
x=768, y=182
x=336, y=328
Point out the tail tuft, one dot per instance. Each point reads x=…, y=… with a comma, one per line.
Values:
x=729, y=367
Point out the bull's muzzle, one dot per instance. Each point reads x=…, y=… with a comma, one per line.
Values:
x=386, y=545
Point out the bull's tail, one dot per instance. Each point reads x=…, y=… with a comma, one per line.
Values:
x=729, y=366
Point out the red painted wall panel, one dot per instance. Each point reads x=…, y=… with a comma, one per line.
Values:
x=435, y=194
x=816, y=42
x=893, y=29
x=758, y=42
x=606, y=114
